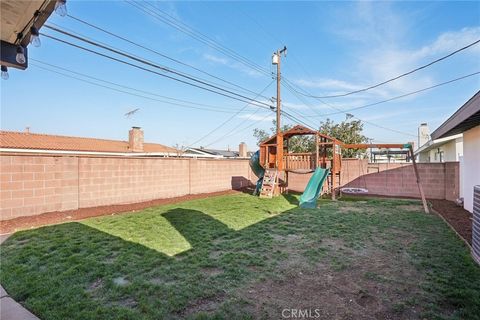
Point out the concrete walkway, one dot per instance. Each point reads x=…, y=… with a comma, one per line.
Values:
x=9, y=308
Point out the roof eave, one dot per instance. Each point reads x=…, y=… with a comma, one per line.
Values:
x=465, y=118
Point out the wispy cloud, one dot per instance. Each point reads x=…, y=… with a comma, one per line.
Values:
x=451, y=41
x=231, y=64
x=382, y=36
x=258, y=117
x=215, y=59
x=324, y=83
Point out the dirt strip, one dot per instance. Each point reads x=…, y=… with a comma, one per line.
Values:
x=459, y=218
x=22, y=223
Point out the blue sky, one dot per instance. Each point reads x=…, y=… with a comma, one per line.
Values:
x=333, y=47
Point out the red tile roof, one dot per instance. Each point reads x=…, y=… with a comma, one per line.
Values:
x=24, y=140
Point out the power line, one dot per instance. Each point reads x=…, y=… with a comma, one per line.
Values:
x=211, y=40
x=157, y=52
x=195, y=34
x=405, y=95
x=227, y=120
x=301, y=99
x=185, y=102
x=81, y=37
x=364, y=121
x=129, y=93
x=241, y=130
x=297, y=120
x=242, y=99
x=184, y=28
x=397, y=77
x=148, y=63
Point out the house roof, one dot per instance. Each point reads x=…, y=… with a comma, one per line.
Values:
x=465, y=118
x=434, y=144
x=215, y=152
x=26, y=140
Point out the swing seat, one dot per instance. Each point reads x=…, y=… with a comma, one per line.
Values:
x=354, y=190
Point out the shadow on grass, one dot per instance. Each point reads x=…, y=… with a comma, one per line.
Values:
x=79, y=272
x=198, y=228
x=292, y=197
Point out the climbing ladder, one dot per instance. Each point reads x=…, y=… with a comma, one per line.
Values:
x=269, y=183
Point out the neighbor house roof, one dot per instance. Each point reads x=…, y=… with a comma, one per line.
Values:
x=434, y=144
x=35, y=141
x=465, y=118
x=214, y=152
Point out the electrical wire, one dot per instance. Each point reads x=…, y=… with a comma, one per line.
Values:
x=405, y=95
x=138, y=57
x=130, y=93
x=156, y=52
x=148, y=63
x=185, y=102
x=181, y=23
x=227, y=120
x=397, y=77
x=357, y=118
x=182, y=27
x=253, y=102
x=233, y=132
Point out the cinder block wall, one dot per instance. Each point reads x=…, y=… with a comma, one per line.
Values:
x=439, y=180
x=105, y=181
x=32, y=185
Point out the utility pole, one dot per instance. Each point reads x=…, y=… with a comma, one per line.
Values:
x=276, y=59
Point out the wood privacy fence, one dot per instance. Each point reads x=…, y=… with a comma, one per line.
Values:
x=34, y=184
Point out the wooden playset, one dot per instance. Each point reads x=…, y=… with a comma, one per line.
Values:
x=278, y=161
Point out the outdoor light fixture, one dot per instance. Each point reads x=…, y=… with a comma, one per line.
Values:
x=35, y=37
x=20, y=57
x=61, y=7
x=5, y=73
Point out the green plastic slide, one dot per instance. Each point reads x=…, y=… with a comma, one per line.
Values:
x=314, y=188
x=258, y=170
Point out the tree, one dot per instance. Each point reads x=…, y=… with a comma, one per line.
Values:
x=347, y=131
x=296, y=144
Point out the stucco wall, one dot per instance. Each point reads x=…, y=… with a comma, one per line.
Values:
x=471, y=165
x=452, y=149
x=451, y=152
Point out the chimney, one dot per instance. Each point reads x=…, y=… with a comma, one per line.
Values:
x=135, y=139
x=27, y=129
x=242, y=150
x=423, y=134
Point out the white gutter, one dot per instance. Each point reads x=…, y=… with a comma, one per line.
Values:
x=429, y=145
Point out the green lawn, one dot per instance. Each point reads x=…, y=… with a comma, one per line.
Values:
x=241, y=257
